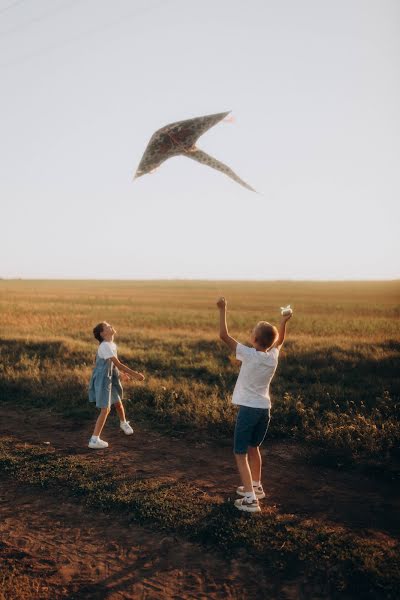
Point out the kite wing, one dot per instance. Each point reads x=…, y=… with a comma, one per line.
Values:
x=179, y=138
x=206, y=159
x=160, y=148
x=174, y=139
x=188, y=132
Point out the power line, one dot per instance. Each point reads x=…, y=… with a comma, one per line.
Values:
x=79, y=36
x=6, y=8
x=36, y=19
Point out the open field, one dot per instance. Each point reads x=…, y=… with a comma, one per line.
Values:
x=337, y=386
x=329, y=526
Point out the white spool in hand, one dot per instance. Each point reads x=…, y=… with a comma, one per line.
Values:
x=286, y=310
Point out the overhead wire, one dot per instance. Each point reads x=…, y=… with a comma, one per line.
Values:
x=6, y=8
x=42, y=17
x=79, y=36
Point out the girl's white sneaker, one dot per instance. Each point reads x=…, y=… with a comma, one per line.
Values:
x=252, y=506
x=98, y=444
x=126, y=428
x=259, y=492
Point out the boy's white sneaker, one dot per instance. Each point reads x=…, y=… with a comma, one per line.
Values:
x=126, y=428
x=97, y=444
x=253, y=506
x=259, y=492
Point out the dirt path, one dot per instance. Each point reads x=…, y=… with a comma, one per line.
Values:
x=67, y=551
x=343, y=498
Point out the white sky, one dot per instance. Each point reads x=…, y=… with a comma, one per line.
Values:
x=314, y=86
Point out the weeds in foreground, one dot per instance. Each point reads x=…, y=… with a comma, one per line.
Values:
x=340, y=560
x=15, y=584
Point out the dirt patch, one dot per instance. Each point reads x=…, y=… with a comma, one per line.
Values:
x=66, y=551
x=53, y=547
x=348, y=499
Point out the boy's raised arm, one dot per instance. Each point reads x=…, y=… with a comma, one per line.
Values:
x=223, y=328
x=282, y=331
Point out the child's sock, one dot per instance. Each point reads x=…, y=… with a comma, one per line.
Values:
x=95, y=438
x=124, y=421
x=249, y=496
x=256, y=483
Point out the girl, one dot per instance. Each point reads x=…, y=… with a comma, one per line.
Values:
x=105, y=386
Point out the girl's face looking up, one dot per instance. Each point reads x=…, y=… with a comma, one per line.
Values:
x=108, y=332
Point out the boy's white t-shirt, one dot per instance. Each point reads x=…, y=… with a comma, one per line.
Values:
x=256, y=372
x=107, y=350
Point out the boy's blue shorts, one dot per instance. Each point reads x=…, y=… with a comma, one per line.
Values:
x=251, y=428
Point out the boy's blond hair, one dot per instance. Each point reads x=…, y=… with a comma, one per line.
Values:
x=265, y=334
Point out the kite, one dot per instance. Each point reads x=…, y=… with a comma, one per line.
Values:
x=179, y=139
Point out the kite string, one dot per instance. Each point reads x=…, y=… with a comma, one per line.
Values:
x=217, y=285
x=218, y=289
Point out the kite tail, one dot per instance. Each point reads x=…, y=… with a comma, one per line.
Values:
x=206, y=159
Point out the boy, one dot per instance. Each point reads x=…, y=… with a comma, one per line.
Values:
x=251, y=394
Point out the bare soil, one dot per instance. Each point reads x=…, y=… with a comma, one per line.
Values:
x=66, y=550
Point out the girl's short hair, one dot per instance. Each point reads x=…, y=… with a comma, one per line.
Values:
x=97, y=331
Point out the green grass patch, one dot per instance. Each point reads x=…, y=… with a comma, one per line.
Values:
x=346, y=563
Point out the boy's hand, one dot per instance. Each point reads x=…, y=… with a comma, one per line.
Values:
x=285, y=318
x=139, y=376
x=222, y=303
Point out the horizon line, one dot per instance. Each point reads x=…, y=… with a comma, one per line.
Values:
x=213, y=279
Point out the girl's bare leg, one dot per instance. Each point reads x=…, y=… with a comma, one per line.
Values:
x=101, y=419
x=119, y=407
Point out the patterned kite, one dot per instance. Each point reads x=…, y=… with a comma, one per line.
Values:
x=179, y=139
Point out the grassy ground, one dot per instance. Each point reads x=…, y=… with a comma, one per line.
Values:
x=337, y=386
x=336, y=390
x=339, y=560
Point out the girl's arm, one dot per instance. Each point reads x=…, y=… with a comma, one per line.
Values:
x=223, y=328
x=127, y=370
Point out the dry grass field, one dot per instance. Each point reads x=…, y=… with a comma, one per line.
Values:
x=337, y=385
x=335, y=419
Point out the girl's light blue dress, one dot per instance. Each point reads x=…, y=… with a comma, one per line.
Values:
x=105, y=385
